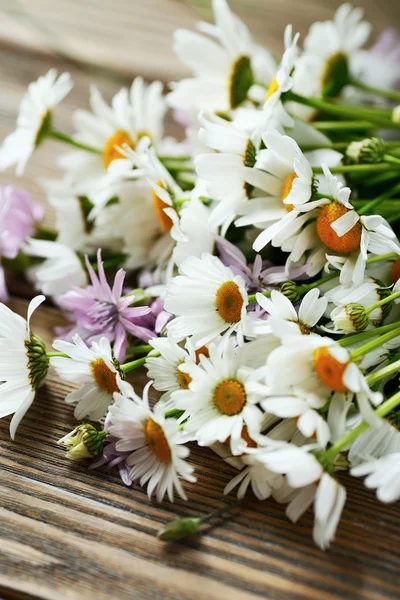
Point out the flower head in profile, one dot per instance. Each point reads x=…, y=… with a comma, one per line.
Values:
x=23, y=363
x=34, y=119
x=155, y=444
x=101, y=310
x=94, y=370
x=18, y=215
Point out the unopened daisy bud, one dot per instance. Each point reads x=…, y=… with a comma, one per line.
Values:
x=350, y=318
x=291, y=290
x=370, y=150
x=396, y=114
x=38, y=361
x=85, y=441
x=179, y=529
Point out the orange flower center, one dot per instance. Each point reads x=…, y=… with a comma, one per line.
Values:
x=117, y=140
x=184, y=379
x=156, y=440
x=230, y=397
x=329, y=370
x=104, y=377
x=273, y=87
x=286, y=189
x=159, y=205
x=396, y=270
x=229, y=302
x=203, y=350
x=349, y=242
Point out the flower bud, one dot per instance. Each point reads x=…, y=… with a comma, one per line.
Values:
x=370, y=150
x=85, y=441
x=38, y=361
x=350, y=318
x=291, y=290
x=179, y=529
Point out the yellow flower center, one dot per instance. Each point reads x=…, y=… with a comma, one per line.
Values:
x=286, y=189
x=117, y=140
x=273, y=87
x=104, y=377
x=349, y=242
x=329, y=370
x=230, y=397
x=396, y=271
x=159, y=205
x=156, y=440
x=229, y=302
x=184, y=379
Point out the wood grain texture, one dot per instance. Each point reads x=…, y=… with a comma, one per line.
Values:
x=70, y=533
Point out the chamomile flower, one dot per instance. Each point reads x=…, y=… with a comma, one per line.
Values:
x=133, y=115
x=222, y=395
x=93, y=369
x=60, y=270
x=164, y=370
x=283, y=318
x=24, y=363
x=207, y=299
x=34, y=119
x=157, y=454
x=225, y=64
x=319, y=367
x=323, y=69
x=351, y=236
x=254, y=475
x=383, y=475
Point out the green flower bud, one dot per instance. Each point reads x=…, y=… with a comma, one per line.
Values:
x=85, y=441
x=370, y=150
x=350, y=318
x=179, y=529
x=38, y=361
x=291, y=290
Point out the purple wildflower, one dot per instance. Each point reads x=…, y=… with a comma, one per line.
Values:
x=99, y=310
x=18, y=214
x=260, y=276
x=111, y=457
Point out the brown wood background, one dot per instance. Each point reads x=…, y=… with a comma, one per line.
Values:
x=66, y=533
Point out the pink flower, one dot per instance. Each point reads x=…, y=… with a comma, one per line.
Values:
x=100, y=310
x=18, y=214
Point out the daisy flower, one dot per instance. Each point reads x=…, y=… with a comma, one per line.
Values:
x=24, y=363
x=93, y=369
x=207, y=299
x=34, y=119
x=383, y=475
x=323, y=68
x=351, y=236
x=256, y=476
x=18, y=217
x=319, y=367
x=225, y=64
x=222, y=395
x=133, y=115
x=285, y=321
x=99, y=310
x=155, y=444
x=60, y=269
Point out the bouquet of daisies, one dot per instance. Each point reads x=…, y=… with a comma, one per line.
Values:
x=253, y=268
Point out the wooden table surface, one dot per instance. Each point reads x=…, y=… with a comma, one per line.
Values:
x=69, y=533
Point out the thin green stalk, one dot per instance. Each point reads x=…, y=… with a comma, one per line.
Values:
x=343, y=125
x=373, y=378
x=384, y=93
x=141, y=349
x=391, y=159
x=135, y=364
x=252, y=297
x=365, y=335
x=377, y=167
x=375, y=343
x=61, y=137
x=370, y=205
x=386, y=300
x=166, y=158
x=53, y=354
x=381, y=411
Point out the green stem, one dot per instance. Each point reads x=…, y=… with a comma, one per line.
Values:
x=375, y=259
x=359, y=168
x=53, y=354
x=135, y=364
x=61, y=137
x=365, y=335
x=381, y=411
x=343, y=125
x=252, y=297
x=391, y=159
x=373, y=378
x=141, y=349
x=370, y=205
x=166, y=158
x=376, y=343
x=393, y=296
x=385, y=93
